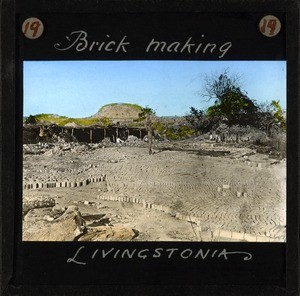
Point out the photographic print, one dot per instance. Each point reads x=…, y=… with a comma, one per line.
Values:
x=154, y=151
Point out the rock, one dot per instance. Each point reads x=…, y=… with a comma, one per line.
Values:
x=109, y=233
x=71, y=226
x=133, y=141
x=67, y=227
x=48, y=218
x=106, y=141
x=40, y=202
x=57, y=211
x=48, y=153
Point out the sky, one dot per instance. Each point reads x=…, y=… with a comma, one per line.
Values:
x=80, y=88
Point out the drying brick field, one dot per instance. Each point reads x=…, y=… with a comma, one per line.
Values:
x=190, y=190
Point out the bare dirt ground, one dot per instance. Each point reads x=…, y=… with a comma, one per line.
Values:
x=187, y=190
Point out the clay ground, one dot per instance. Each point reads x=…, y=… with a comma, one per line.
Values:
x=186, y=191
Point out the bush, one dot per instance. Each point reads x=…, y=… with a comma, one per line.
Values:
x=106, y=121
x=31, y=120
x=182, y=132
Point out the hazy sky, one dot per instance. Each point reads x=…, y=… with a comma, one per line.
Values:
x=80, y=88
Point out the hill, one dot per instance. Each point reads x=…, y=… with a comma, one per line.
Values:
x=119, y=112
x=115, y=112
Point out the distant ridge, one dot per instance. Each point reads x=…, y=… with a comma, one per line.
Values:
x=115, y=112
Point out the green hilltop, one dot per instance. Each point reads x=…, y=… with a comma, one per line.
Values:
x=61, y=120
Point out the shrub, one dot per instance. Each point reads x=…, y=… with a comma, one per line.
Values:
x=31, y=120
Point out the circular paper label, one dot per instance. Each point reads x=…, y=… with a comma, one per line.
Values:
x=32, y=28
x=269, y=25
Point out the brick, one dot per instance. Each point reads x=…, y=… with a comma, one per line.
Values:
x=238, y=235
x=194, y=219
x=262, y=239
x=250, y=237
x=225, y=234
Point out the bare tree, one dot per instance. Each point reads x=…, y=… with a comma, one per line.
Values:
x=215, y=86
x=146, y=115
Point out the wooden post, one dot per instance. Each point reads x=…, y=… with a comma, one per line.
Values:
x=91, y=136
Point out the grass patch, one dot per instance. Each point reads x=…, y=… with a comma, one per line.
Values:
x=63, y=120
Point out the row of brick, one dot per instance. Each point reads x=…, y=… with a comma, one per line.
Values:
x=39, y=185
x=216, y=235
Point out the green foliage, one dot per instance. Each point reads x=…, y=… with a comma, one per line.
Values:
x=146, y=116
x=185, y=131
x=233, y=106
x=106, y=121
x=159, y=127
x=182, y=132
x=63, y=120
x=199, y=120
x=278, y=115
x=145, y=112
x=195, y=117
x=80, y=121
x=270, y=118
x=50, y=118
x=31, y=119
x=171, y=134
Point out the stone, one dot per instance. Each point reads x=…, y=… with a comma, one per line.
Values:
x=48, y=218
x=57, y=211
x=66, y=228
x=109, y=233
x=41, y=202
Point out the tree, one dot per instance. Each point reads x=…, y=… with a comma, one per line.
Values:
x=199, y=120
x=234, y=107
x=215, y=86
x=270, y=117
x=278, y=114
x=31, y=119
x=195, y=117
x=146, y=116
